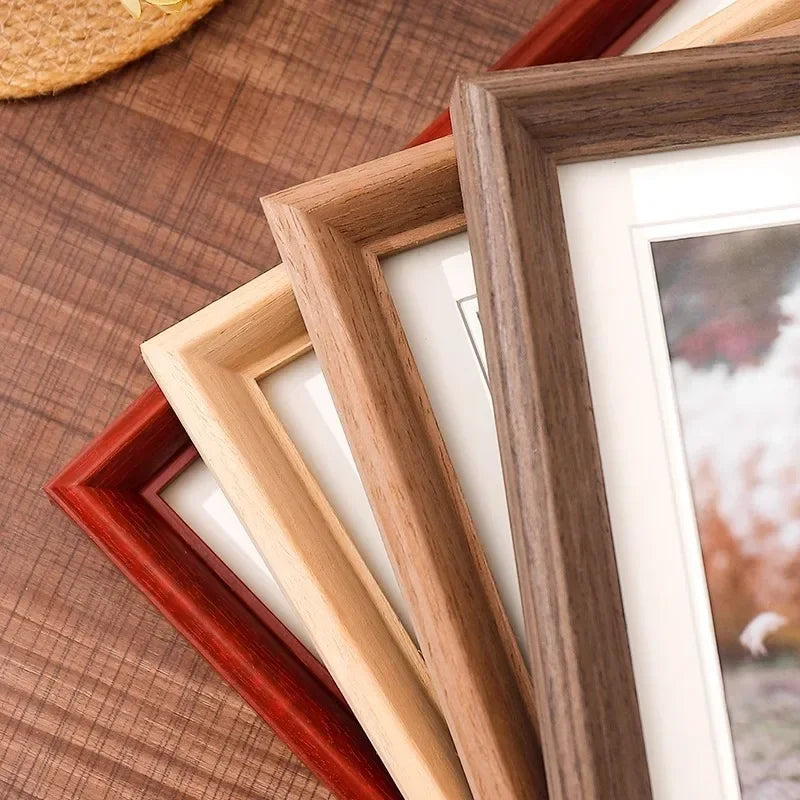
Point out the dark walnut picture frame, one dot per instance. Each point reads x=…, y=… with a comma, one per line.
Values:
x=512, y=131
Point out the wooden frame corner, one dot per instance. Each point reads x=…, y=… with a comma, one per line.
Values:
x=110, y=490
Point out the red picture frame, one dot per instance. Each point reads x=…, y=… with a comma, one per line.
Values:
x=112, y=491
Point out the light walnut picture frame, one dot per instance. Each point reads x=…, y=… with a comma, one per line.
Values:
x=332, y=233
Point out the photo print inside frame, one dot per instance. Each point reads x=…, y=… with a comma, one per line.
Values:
x=731, y=310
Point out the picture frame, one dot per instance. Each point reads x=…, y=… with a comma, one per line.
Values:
x=572, y=30
x=111, y=490
x=515, y=136
x=332, y=233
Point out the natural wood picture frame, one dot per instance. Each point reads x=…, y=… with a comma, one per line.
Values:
x=111, y=490
x=331, y=233
x=512, y=131
x=209, y=366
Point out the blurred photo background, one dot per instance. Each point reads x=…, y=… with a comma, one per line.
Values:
x=731, y=307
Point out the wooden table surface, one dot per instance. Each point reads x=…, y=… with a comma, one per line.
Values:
x=125, y=206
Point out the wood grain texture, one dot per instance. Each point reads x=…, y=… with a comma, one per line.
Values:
x=110, y=490
x=764, y=74
x=511, y=134
x=128, y=204
x=735, y=23
x=332, y=744
x=332, y=233
x=779, y=31
x=208, y=366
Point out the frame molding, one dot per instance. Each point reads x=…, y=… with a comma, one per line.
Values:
x=742, y=20
x=512, y=131
x=109, y=490
x=208, y=366
x=331, y=233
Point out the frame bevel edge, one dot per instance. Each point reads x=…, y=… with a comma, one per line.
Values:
x=591, y=728
x=352, y=202
x=395, y=705
x=177, y=357
x=470, y=98
x=151, y=494
x=226, y=334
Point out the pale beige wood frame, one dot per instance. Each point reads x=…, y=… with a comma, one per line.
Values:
x=741, y=20
x=332, y=233
x=208, y=367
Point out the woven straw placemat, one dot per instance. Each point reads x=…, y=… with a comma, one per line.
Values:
x=48, y=45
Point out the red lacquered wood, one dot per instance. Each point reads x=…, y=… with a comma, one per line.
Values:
x=112, y=491
x=575, y=30
x=101, y=490
x=151, y=493
x=650, y=16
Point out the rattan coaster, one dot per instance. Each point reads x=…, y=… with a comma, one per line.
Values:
x=48, y=45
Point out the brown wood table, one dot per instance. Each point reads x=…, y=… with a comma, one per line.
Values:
x=125, y=206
